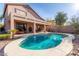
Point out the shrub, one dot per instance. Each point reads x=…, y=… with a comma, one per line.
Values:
x=75, y=23
x=4, y=36
x=13, y=31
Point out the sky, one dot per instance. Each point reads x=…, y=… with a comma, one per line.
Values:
x=1, y=11
x=1, y=8
x=49, y=10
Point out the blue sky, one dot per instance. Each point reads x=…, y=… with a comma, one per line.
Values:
x=1, y=11
x=49, y=10
x=1, y=8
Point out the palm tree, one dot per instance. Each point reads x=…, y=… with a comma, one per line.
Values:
x=13, y=32
x=60, y=19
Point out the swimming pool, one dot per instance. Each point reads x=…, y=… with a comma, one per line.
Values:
x=64, y=47
x=41, y=41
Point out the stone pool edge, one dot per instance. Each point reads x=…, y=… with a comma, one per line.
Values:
x=13, y=49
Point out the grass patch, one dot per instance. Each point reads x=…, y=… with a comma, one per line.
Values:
x=3, y=36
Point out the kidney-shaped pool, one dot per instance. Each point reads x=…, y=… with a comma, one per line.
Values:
x=44, y=44
x=42, y=41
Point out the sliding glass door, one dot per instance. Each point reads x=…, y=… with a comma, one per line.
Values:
x=21, y=27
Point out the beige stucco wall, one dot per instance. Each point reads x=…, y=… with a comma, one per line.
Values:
x=29, y=15
x=30, y=20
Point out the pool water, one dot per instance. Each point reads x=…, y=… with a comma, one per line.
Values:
x=41, y=41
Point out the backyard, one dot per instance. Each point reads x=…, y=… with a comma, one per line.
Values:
x=61, y=32
x=74, y=52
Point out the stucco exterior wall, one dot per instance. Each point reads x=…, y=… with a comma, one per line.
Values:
x=20, y=13
x=11, y=9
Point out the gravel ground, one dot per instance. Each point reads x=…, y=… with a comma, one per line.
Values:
x=3, y=43
x=74, y=52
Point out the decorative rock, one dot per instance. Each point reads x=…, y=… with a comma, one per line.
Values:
x=77, y=54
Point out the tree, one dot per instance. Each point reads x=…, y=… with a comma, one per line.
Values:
x=75, y=23
x=60, y=19
x=13, y=31
x=1, y=21
x=51, y=21
x=1, y=18
x=1, y=25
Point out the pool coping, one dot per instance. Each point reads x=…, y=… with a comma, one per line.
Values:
x=12, y=49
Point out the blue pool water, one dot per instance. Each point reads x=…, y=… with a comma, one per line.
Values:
x=41, y=41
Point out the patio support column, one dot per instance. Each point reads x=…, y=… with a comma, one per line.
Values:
x=27, y=28
x=34, y=27
x=44, y=28
x=12, y=26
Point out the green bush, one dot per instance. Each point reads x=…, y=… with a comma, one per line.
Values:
x=4, y=36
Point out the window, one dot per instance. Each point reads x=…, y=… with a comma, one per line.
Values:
x=20, y=12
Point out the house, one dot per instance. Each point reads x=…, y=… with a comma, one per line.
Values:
x=23, y=18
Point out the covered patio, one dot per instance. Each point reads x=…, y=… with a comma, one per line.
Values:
x=24, y=27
